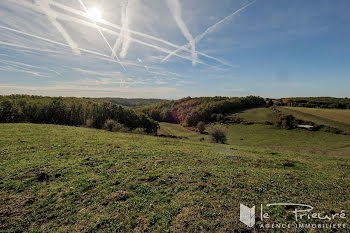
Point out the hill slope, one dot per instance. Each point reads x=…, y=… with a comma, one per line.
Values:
x=257, y=115
x=60, y=178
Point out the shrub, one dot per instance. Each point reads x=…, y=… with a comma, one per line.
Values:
x=220, y=118
x=217, y=134
x=114, y=126
x=110, y=125
x=286, y=121
x=139, y=131
x=201, y=127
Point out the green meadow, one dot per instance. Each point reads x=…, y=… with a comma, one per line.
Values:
x=74, y=179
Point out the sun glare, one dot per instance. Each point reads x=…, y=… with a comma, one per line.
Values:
x=94, y=14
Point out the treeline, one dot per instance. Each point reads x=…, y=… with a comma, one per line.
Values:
x=317, y=102
x=71, y=111
x=190, y=111
x=137, y=102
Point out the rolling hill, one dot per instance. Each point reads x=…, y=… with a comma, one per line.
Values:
x=61, y=178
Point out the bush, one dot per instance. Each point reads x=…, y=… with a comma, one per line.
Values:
x=286, y=121
x=114, y=126
x=139, y=131
x=220, y=118
x=201, y=127
x=110, y=125
x=217, y=134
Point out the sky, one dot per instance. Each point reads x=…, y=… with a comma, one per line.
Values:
x=171, y=49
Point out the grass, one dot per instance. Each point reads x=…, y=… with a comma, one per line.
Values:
x=336, y=118
x=98, y=181
x=257, y=115
x=296, y=140
x=176, y=130
x=179, y=131
x=339, y=115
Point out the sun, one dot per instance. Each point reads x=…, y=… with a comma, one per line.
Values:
x=94, y=14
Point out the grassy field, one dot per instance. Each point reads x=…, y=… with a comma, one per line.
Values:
x=337, y=118
x=272, y=138
x=68, y=179
x=179, y=131
x=257, y=115
x=339, y=115
x=296, y=140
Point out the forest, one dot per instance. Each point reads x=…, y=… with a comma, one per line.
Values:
x=95, y=112
x=71, y=111
x=190, y=111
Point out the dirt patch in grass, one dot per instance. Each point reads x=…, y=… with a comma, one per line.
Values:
x=120, y=195
x=142, y=225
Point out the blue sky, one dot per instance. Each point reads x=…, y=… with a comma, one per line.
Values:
x=175, y=48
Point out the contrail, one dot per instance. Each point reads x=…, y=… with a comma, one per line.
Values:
x=34, y=36
x=98, y=73
x=119, y=41
x=72, y=19
x=106, y=23
x=209, y=30
x=126, y=36
x=104, y=38
x=27, y=48
x=48, y=40
x=22, y=65
x=175, y=8
x=97, y=54
x=52, y=17
x=16, y=68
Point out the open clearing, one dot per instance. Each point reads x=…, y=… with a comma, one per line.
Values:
x=296, y=140
x=272, y=138
x=337, y=118
x=60, y=178
x=177, y=130
x=257, y=115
